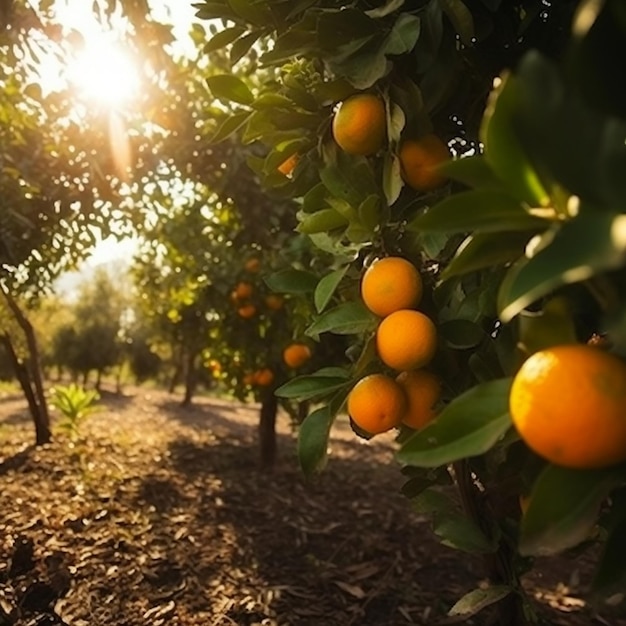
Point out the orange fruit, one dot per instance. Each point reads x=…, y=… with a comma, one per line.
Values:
x=568, y=404
x=423, y=390
x=264, y=377
x=377, y=403
x=419, y=159
x=249, y=378
x=296, y=354
x=243, y=290
x=360, y=124
x=288, y=165
x=252, y=265
x=274, y=302
x=247, y=311
x=406, y=340
x=391, y=284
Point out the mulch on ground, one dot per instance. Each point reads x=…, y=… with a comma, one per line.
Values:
x=160, y=515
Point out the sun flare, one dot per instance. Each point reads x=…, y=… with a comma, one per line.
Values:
x=104, y=73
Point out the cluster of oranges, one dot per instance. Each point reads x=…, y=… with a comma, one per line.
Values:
x=360, y=127
x=406, y=341
x=243, y=295
x=262, y=377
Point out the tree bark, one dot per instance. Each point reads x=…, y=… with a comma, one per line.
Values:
x=42, y=428
x=499, y=565
x=190, y=377
x=178, y=368
x=267, y=430
x=42, y=417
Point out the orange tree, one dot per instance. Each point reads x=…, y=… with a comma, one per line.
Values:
x=497, y=171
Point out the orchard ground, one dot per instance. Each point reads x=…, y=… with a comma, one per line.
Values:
x=159, y=515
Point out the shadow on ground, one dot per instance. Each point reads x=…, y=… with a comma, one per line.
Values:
x=342, y=549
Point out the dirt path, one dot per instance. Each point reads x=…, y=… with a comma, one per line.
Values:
x=161, y=516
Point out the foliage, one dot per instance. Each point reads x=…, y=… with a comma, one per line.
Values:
x=75, y=404
x=91, y=338
x=522, y=249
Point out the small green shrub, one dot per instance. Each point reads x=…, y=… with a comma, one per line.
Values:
x=75, y=404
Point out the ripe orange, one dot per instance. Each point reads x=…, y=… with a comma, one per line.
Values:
x=252, y=265
x=243, y=290
x=423, y=390
x=360, y=124
x=296, y=354
x=247, y=311
x=377, y=403
x=249, y=378
x=568, y=404
x=391, y=284
x=406, y=340
x=274, y=302
x=419, y=159
x=288, y=165
x=264, y=377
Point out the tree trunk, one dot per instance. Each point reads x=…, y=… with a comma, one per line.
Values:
x=190, y=377
x=42, y=427
x=98, y=379
x=178, y=370
x=499, y=566
x=42, y=418
x=267, y=430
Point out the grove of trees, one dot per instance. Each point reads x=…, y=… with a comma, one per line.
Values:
x=486, y=145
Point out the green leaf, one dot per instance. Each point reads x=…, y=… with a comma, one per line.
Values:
x=461, y=533
x=552, y=326
x=369, y=213
x=242, y=46
x=404, y=34
x=272, y=100
x=311, y=386
x=389, y=7
x=327, y=286
x=582, y=247
x=503, y=149
x=433, y=243
x=251, y=11
x=461, y=334
x=563, y=508
x=346, y=319
x=224, y=38
x=230, y=126
x=349, y=178
x=461, y=18
x=483, y=250
x=292, y=281
x=315, y=198
x=568, y=136
x=469, y=426
x=478, y=599
x=320, y=221
x=231, y=88
x=433, y=502
x=392, y=178
x=473, y=171
x=453, y=527
x=485, y=210
x=313, y=440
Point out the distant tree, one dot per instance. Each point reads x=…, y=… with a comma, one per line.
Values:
x=92, y=341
